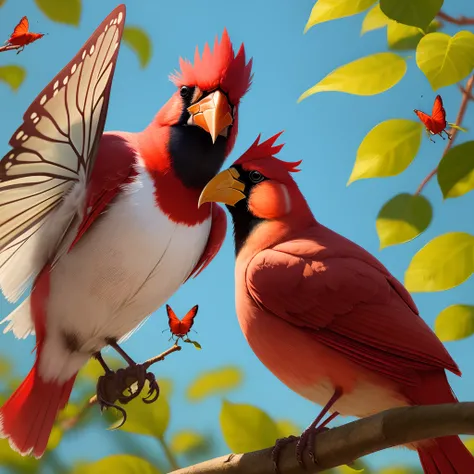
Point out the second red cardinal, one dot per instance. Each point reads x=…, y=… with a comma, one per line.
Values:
x=324, y=315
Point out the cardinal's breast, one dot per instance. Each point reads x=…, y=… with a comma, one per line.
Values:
x=129, y=263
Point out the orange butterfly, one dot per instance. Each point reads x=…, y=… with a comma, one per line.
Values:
x=436, y=122
x=180, y=328
x=21, y=36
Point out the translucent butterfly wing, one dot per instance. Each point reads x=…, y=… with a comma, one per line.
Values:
x=44, y=176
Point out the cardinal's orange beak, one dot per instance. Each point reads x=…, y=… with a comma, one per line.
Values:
x=213, y=114
x=224, y=187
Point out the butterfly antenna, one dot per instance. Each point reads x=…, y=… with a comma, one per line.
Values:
x=194, y=331
x=164, y=330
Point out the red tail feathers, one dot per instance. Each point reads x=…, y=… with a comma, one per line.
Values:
x=27, y=417
x=447, y=456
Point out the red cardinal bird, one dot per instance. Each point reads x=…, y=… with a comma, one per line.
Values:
x=324, y=315
x=21, y=36
x=180, y=328
x=436, y=122
x=106, y=225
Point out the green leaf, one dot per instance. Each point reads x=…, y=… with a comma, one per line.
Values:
x=455, y=322
x=387, y=150
x=16, y=462
x=414, y=13
x=287, y=428
x=214, y=382
x=187, y=442
x=55, y=438
x=456, y=171
x=402, y=37
x=118, y=463
x=246, y=428
x=326, y=10
x=6, y=369
x=445, y=60
x=2, y=2
x=469, y=443
x=402, y=219
x=365, y=76
x=146, y=419
x=13, y=76
x=194, y=343
x=139, y=42
x=93, y=370
x=457, y=127
x=443, y=263
x=61, y=11
x=374, y=20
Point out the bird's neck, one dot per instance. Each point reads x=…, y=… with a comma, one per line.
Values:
x=176, y=197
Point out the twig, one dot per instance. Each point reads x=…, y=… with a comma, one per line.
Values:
x=10, y=47
x=168, y=454
x=464, y=91
x=345, y=444
x=462, y=20
x=467, y=93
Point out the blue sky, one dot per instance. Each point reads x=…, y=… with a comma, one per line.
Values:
x=324, y=130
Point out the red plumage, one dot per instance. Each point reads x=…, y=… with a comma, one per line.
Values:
x=323, y=314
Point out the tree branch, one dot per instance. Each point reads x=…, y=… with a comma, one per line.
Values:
x=462, y=20
x=466, y=96
x=345, y=444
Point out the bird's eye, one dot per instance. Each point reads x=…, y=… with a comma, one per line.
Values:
x=256, y=176
x=185, y=91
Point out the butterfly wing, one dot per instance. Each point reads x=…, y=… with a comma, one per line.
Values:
x=438, y=115
x=21, y=28
x=173, y=321
x=44, y=176
x=188, y=321
x=426, y=119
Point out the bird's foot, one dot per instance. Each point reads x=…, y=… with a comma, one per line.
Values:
x=305, y=442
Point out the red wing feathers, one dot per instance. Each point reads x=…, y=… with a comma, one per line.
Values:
x=349, y=303
x=181, y=327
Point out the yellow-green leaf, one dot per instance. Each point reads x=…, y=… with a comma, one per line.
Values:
x=246, y=428
x=445, y=60
x=187, y=441
x=118, y=463
x=61, y=11
x=139, y=41
x=2, y=2
x=399, y=470
x=287, y=428
x=443, y=263
x=326, y=10
x=387, y=150
x=146, y=419
x=91, y=372
x=469, y=443
x=456, y=171
x=17, y=463
x=374, y=20
x=455, y=322
x=402, y=37
x=5, y=368
x=214, y=382
x=13, y=76
x=365, y=76
x=55, y=438
x=402, y=219
x=357, y=466
x=414, y=13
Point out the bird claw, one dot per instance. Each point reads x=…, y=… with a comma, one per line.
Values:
x=305, y=443
x=125, y=385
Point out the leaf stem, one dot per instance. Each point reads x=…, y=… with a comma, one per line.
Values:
x=168, y=453
x=466, y=96
x=462, y=20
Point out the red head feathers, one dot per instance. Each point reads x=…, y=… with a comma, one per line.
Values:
x=217, y=69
